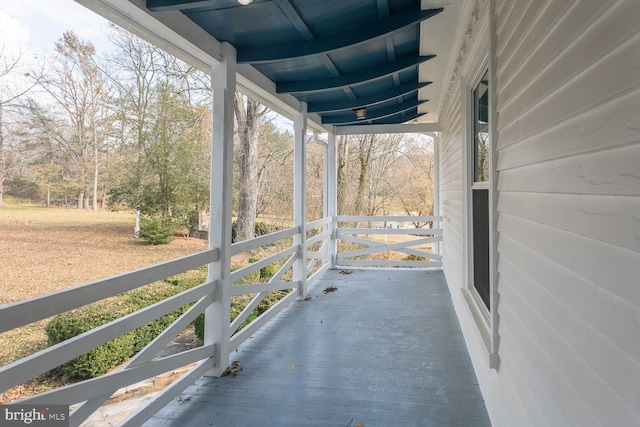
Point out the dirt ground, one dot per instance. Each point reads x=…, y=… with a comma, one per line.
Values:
x=46, y=249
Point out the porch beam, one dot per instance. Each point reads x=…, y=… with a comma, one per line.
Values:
x=173, y=32
x=338, y=40
x=367, y=101
x=300, y=198
x=293, y=14
x=396, y=128
x=404, y=117
x=217, y=315
x=373, y=115
x=352, y=78
x=171, y=5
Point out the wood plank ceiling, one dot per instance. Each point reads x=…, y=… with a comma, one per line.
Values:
x=336, y=55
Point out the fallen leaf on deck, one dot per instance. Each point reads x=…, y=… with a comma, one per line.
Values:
x=346, y=272
x=329, y=289
x=292, y=366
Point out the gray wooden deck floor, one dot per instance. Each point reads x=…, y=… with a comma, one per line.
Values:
x=384, y=349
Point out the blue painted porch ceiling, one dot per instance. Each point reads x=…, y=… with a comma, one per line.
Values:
x=335, y=55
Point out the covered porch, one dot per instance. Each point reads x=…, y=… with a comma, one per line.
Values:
x=383, y=348
x=536, y=177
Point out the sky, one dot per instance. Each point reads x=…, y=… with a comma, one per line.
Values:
x=28, y=25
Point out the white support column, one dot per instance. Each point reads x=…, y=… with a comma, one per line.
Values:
x=217, y=315
x=300, y=198
x=436, y=182
x=331, y=194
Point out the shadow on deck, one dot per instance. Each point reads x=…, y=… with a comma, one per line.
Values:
x=384, y=349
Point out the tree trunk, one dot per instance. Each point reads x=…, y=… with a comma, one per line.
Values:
x=343, y=152
x=95, y=171
x=248, y=114
x=364, y=158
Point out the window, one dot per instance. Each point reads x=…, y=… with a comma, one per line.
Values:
x=480, y=190
x=481, y=129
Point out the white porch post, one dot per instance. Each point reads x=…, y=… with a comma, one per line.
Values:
x=436, y=183
x=300, y=198
x=331, y=194
x=217, y=315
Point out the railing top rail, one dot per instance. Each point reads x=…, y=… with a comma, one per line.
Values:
x=318, y=222
x=31, y=310
x=247, y=245
x=343, y=218
x=50, y=357
x=412, y=231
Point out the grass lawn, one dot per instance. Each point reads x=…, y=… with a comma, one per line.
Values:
x=46, y=249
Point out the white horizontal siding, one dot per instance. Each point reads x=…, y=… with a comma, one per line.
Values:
x=569, y=210
x=579, y=78
x=568, y=215
x=580, y=213
x=450, y=180
x=615, y=123
x=590, y=317
x=608, y=172
x=559, y=47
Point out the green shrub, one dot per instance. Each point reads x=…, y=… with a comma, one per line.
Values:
x=412, y=257
x=260, y=229
x=264, y=274
x=237, y=305
x=23, y=188
x=155, y=232
x=198, y=326
x=111, y=354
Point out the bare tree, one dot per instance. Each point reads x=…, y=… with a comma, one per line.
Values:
x=275, y=163
x=342, y=172
x=12, y=88
x=76, y=85
x=416, y=169
x=163, y=131
x=137, y=69
x=248, y=116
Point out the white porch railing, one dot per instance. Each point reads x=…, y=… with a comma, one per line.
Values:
x=87, y=396
x=90, y=394
x=285, y=256
x=376, y=241
x=319, y=260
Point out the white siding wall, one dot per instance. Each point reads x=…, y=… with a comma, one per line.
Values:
x=568, y=96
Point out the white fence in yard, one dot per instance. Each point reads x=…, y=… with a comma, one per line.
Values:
x=301, y=257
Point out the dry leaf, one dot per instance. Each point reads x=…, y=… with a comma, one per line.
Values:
x=292, y=366
x=359, y=424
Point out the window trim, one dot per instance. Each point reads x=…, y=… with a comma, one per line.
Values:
x=480, y=60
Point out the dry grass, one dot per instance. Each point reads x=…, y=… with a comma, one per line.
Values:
x=46, y=249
